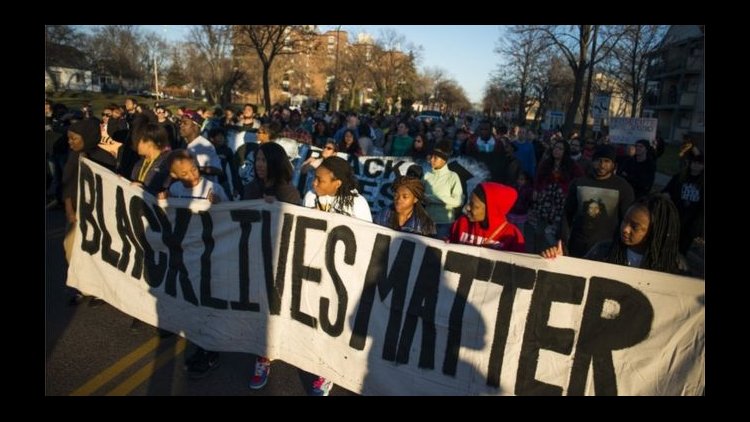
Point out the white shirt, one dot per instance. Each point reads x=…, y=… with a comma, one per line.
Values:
x=199, y=191
x=204, y=152
x=360, y=208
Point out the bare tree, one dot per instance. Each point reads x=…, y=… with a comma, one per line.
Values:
x=176, y=76
x=450, y=93
x=63, y=34
x=426, y=85
x=631, y=62
x=214, y=44
x=573, y=43
x=494, y=99
x=393, y=69
x=154, y=56
x=269, y=42
x=599, y=51
x=353, y=66
x=552, y=85
x=116, y=50
x=523, y=49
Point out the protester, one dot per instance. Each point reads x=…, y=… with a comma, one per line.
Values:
x=485, y=223
x=407, y=214
x=610, y=191
x=189, y=183
x=335, y=190
x=443, y=190
x=648, y=238
x=273, y=175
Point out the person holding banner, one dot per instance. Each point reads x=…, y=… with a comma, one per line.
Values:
x=189, y=183
x=648, y=238
x=335, y=190
x=485, y=224
x=407, y=214
x=273, y=176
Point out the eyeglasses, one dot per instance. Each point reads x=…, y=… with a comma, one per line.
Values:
x=329, y=148
x=106, y=114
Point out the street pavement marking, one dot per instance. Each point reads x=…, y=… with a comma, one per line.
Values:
x=149, y=369
x=118, y=367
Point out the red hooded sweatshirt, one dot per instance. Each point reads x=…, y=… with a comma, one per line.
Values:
x=500, y=200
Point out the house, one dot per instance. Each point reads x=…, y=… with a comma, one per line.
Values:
x=675, y=84
x=67, y=68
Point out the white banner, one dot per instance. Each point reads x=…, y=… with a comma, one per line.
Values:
x=383, y=312
x=623, y=130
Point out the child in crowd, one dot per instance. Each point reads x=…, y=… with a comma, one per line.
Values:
x=407, y=213
x=484, y=223
x=184, y=169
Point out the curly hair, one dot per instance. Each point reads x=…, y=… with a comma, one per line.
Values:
x=662, y=240
x=342, y=171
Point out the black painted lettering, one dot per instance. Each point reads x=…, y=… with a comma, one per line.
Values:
x=601, y=333
x=550, y=287
x=85, y=210
x=208, y=246
x=275, y=290
x=109, y=255
x=127, y=237
x=153, y=271
x=379, y=277
x=422, y=306
x=470, y=268
x=303, y=272
x=346, y=236
x=245, y=218
x=511, y=277
x=373, y=167
x=173, y=240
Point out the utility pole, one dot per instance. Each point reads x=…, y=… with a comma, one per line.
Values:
x=334, y=94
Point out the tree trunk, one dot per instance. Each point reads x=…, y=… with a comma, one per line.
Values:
x=266, y=88
x=589, y=82
x=570, y=114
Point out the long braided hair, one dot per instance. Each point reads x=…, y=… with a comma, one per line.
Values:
x=662, y=241
x=416, y=187
x=342, y=171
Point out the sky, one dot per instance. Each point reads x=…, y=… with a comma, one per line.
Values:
x=465, y=52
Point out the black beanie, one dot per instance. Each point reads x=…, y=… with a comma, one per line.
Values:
x=605, y=151
x=89, y=130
